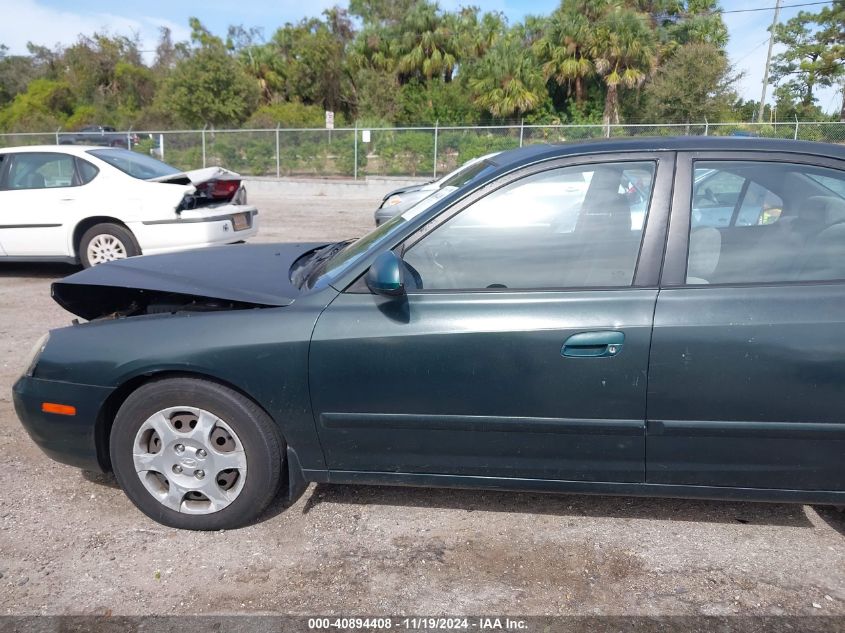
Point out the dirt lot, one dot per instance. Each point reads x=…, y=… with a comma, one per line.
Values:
x=70, y=542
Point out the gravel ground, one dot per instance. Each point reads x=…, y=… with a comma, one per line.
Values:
x=71, y=543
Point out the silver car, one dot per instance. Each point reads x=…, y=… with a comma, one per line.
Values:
x=402, y=199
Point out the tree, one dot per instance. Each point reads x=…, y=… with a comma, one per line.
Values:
x=701, y=23
x=695, y=84
x=508, y=81
x=437, y=100
x=210, y=86
x=565, y=45
x=805, y=64
x=16, y=72
x=106, y=73
x=306, y=61
x=832, y=22
x=263, y=64
x=45, y=105
x=381, y=12
x=426, y=46
x=679, y=22
x=168, y=53
x=474, y=35
x=624, y=51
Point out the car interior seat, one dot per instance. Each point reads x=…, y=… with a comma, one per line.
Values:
x=705, y=248
x=33, y=180
x=609, y=246
x=825, y=255
x=819, y=212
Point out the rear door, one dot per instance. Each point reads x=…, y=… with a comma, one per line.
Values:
x=748, y=352
x=522, y=350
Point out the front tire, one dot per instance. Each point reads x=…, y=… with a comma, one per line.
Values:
x=196, y=455
x=105, y=243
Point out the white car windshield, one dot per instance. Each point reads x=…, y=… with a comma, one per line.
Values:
x=135, y=164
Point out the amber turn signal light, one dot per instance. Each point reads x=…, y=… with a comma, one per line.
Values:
x=60, y=409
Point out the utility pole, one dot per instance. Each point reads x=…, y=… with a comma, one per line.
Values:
x=768, y=62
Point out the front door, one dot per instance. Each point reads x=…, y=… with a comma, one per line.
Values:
x=38, y=201
x=522, y=348
x=748, y=354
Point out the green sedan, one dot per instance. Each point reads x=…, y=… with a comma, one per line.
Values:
x=661, y=317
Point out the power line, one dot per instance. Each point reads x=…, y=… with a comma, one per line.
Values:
x=765, y=41
x=784, y=6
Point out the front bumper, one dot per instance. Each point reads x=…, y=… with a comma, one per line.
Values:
x=67, y=439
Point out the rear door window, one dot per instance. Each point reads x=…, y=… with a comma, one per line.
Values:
x=787, y=223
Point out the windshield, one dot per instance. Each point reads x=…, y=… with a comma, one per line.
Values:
x=135, y=164
x=334, y=266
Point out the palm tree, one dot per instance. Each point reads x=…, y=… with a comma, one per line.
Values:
x=624, y=51
x=425, y=44
x=565, y=43
x=474, y=34
x=508, y=81
x=262, y=63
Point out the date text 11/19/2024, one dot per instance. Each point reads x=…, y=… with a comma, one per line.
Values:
x=419, y=623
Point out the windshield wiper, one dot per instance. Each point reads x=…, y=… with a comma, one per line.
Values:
x=303, y=271
x=327, y=252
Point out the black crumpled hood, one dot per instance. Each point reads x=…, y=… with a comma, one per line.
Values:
x=254, y=274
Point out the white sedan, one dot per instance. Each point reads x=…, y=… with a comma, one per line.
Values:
x=90, y=205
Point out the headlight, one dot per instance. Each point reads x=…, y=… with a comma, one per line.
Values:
x=35, y=354
x=393, y=201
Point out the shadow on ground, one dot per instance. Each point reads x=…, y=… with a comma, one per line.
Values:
x=563, y=505
x=834, y=517
x=37, y=270
x=101, y=479
x=560, y=505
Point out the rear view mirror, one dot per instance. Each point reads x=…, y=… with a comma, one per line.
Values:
x=387, y=275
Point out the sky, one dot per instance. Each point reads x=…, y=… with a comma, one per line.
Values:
x=51, y=22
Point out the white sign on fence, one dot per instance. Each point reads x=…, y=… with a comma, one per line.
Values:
x=329, y=120
x=365, y=136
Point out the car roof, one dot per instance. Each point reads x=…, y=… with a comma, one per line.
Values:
x=536, y=153
x=76, y=150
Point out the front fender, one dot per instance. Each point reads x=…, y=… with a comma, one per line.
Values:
x=261, y=352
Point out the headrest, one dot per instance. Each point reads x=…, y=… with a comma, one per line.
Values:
x=824, y=210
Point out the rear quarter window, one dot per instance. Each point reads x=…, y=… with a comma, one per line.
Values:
x=87, y=171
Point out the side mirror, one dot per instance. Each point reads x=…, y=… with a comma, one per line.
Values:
x=387, y=275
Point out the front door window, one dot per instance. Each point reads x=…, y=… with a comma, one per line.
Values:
x=573, y=227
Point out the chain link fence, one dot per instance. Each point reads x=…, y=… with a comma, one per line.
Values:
x=415, y=151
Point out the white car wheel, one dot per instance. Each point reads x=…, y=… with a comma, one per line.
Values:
x=105, y=248
x=107, y=243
